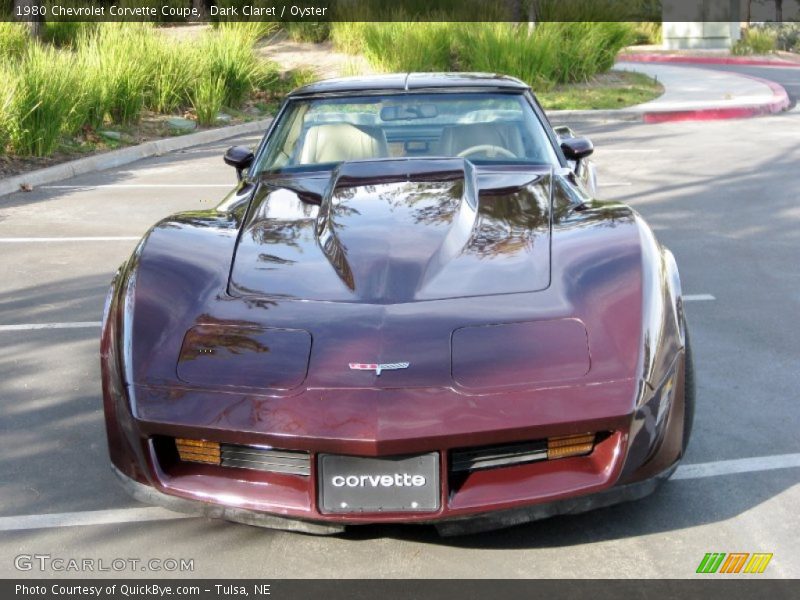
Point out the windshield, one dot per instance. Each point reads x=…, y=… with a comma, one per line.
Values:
x=482, y=127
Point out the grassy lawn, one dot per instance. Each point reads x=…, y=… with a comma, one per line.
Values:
x=615, y=89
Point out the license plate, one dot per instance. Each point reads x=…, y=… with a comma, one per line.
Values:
x=355, y=484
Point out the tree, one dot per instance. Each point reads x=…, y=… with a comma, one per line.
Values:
x=200, y=6
x=35, y=18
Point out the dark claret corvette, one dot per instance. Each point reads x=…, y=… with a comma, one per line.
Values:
x=409, y=309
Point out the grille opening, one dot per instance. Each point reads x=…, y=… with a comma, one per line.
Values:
x=259, y=458
x=489, y=457
x=464, y=461
x=264, y=458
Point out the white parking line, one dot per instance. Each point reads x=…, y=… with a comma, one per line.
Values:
x=29, y=326
x=698, y=297
x=35, y=240
x=604, y=150
x=740, y=465
x=136, y=515
x=91, y=517
x=139, y=185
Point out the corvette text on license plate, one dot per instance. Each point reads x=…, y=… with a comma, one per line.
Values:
x=388, y=484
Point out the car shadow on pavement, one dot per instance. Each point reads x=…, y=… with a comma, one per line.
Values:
x=52, y=421
x=133, y=173
x=677, y=505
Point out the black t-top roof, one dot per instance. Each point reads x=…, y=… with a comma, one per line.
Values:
x=410, y=82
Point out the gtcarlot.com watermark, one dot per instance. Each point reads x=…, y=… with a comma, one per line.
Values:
x=58, y=564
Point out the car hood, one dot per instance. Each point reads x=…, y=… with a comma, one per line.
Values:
x=394, y=231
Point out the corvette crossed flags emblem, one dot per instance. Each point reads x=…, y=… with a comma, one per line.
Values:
x=378, y=367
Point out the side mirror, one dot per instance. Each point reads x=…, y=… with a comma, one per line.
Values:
x=239, y=158
x=577, y=148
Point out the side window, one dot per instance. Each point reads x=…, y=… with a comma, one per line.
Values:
x=285, y=138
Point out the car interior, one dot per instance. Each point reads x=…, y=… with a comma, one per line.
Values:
x=337, y=142
x=476, y=128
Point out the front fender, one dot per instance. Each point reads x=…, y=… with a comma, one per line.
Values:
x=662, y=309
x=657, y=426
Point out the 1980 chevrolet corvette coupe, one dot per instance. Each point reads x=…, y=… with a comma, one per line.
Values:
x=410, y=309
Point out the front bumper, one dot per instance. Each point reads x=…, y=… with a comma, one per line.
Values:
x=446, y=527
x=640, y=450
x=150, y=495
x=621, y=467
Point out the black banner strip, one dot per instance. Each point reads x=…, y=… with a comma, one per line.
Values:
x=518, y=11
x=704, y=587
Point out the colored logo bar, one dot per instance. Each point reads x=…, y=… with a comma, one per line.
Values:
x=734, y=562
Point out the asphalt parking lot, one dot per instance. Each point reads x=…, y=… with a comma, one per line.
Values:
x=722, y=195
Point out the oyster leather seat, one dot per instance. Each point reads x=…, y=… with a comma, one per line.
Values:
x=337, y=142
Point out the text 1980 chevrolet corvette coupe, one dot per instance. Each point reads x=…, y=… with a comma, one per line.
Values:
x=410, y=309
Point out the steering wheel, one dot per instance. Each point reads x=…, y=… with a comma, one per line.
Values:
x=489, y=149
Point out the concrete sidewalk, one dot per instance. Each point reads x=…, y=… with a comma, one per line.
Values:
x=693, y=88
x=691, y=94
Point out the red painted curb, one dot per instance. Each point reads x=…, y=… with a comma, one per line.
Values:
x=706, y=60
x=780, y=101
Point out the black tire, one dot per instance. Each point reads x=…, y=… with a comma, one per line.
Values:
x=688, y=391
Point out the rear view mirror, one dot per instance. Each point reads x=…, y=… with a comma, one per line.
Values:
x=240, y=158
x=577, y=148
x=405, y=112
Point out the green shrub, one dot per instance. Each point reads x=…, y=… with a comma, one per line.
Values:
x=94, y=94
x=308, y=31
x=112, y=71
x=762, y=41
x=300, y=77
x=408, y=46
x=46, y=101
x=646, y=32
x=787, y=36
x=117, y=62
x=226, y=53
x=13, y=40
x=66, y=34
x=502, y=48
x=174, y=74
x=254, y=29
x=348, y=36
x=6, y=111
x=207, y=98
x=292, y=80
x=755, y=41
x=553, y=52
x=266, y=75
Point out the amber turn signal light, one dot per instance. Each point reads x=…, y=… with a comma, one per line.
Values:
x=201, y=451
x=569, y=445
